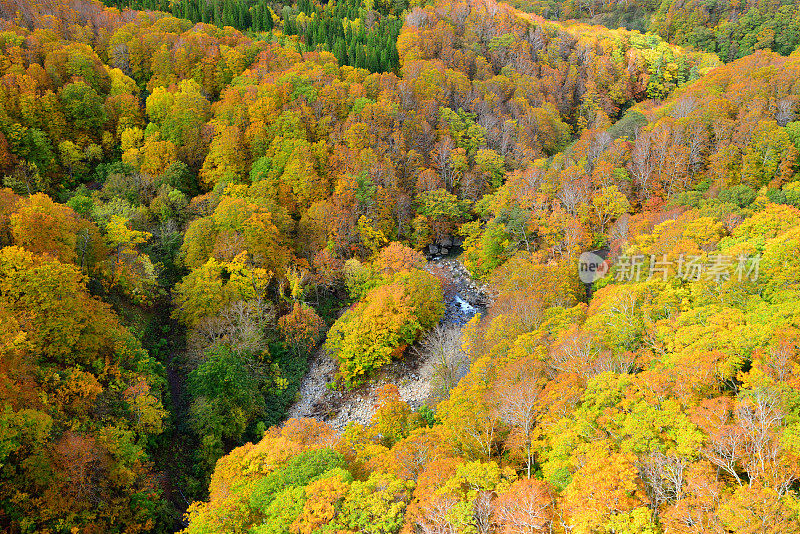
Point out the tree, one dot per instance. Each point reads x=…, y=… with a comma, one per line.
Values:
x=396, y=257
x=526, y=507
x=393, y=419
x=491, y=164
x=157, y=155
x=371, y=238
x=664, y=477
x=84, y=106
x=323, y=500
x=225, y=161
x=45, y=227
x=179, y=115
x=606, y=206
x=128, y=269
x=368, y=337
x=238, y=224
x=146, y=409
x=519, y=406
x=379, y=328
x=604, y=491
x=697, y=510
x=228, y=391
x=759, y=509
x=275, y=498
x=376, y=505
x=302, y=328
x=440, y=212
x=78, y=330
x=208, y=289
x=72, y=356
x=442, y=346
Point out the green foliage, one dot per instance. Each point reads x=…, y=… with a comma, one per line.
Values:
x=336, y=27
x=298, y=471
x=628, y=126
x=376, y=505
x=441, y=207
x=465, y=132
x=742, y=195
x=359, y=279
x=84, y=106
x=229, y=390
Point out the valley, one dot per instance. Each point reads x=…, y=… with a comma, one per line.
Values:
x=307, y=267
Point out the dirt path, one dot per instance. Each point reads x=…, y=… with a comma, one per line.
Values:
x=412, y=375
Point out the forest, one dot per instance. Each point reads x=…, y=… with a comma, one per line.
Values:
x=729, y=28
x=202, y=198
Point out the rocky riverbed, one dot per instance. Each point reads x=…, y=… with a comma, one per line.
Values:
x=412, y=375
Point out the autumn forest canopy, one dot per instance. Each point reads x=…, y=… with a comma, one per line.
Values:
x=202, y=200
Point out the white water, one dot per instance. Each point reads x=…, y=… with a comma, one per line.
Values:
x=466, y=307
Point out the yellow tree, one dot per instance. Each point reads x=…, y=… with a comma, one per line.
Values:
x=606, y=206
x=394, y=419
x=755, y=509
x=606, y=491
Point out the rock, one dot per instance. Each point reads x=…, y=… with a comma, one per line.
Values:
x=446, y=241
x=434, y=249
x=445, y=251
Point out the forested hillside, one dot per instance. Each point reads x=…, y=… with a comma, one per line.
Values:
x=665, y=404
x=731, y=29
x=197, y=200
x=361, y=35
